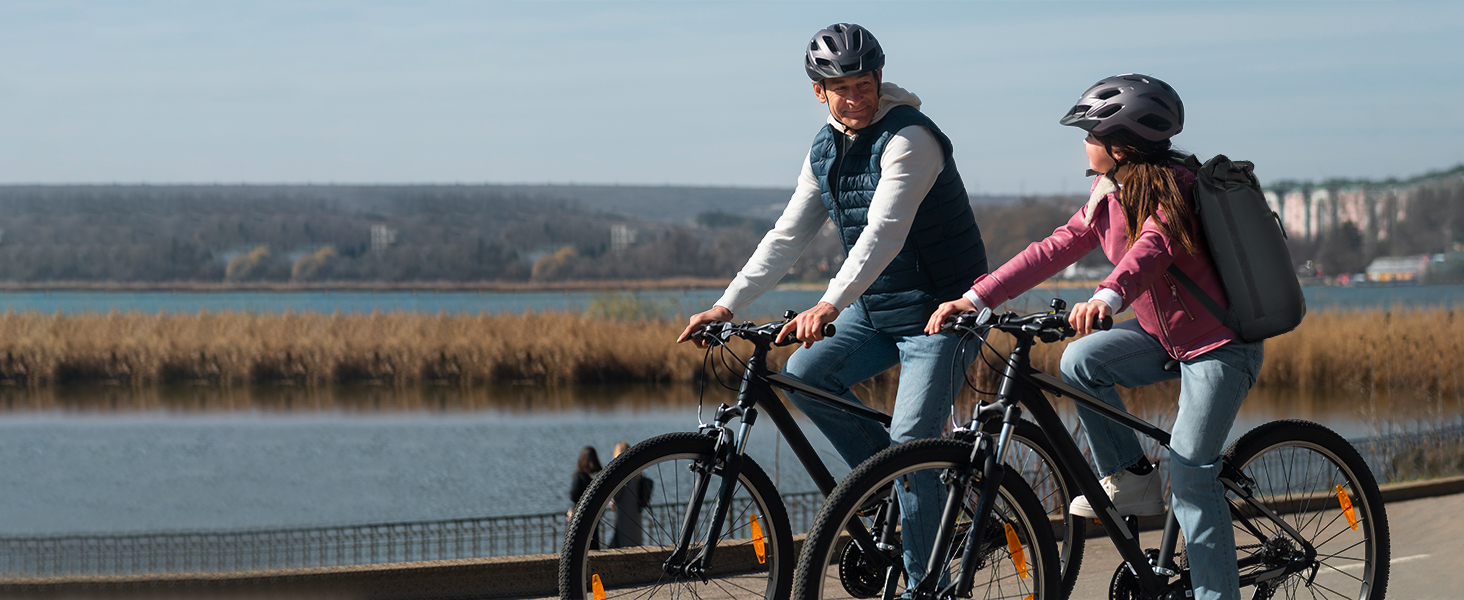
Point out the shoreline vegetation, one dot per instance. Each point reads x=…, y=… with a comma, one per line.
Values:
x=1362, y=351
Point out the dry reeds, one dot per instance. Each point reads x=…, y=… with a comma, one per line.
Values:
x=317, y=348
x=1404, y=349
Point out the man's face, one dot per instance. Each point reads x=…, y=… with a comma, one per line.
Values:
x=852, y=100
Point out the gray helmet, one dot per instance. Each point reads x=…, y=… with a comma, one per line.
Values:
x=841, y=50
x=1140, y=104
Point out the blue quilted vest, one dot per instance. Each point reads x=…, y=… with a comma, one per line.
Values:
x=943, y=253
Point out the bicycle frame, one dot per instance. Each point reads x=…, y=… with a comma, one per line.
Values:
x=756, y=394
x=1022, y=386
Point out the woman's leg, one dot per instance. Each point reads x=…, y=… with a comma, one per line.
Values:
x=1125, y=355
x=1210, y=396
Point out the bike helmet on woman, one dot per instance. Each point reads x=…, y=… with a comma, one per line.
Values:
x=1140, y=104
x=841, y=50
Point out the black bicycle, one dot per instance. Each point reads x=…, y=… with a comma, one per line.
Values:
x=1309, y=520
x=715, y=525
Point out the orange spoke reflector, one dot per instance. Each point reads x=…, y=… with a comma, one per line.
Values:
x=1019, y=556
x=1029, y=597
x=1347, y=507
x=757, y=541
x=599, y=589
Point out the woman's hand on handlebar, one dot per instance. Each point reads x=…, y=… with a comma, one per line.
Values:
x=808, y=326
x=1084, y=314
x=699, y=320
x=946, y=311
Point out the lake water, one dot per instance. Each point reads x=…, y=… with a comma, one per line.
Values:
x=92, y=460
x=666, y=303
x=95, y=459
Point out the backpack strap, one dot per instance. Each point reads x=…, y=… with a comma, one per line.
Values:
x=1205, y=299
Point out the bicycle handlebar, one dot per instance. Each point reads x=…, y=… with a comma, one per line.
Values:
x=719, y=332
x=1048, y=326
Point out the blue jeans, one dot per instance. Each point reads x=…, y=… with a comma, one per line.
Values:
x=1211, y=390
x=927, y=388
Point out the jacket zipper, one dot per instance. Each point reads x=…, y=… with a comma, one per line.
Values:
x=1173, y=289
x=1159, y=316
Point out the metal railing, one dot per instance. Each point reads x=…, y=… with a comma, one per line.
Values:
x=1436, y=453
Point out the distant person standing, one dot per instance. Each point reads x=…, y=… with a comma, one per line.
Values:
x=629, y=502
x=884, y=174
x=585, y=470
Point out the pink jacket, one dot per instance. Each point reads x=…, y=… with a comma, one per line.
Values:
x=1163, y=307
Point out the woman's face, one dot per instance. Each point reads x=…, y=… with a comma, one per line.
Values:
x=1098, y=158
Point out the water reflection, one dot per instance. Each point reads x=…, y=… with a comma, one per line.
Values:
x=352, y=399
x=1353, y=413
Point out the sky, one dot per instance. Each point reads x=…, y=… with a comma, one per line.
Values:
x=696, y=93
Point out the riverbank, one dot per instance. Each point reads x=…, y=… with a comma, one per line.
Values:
x=1365, y=351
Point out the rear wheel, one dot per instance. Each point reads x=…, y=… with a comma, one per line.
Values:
x=1324, y=490
x=753, y=557
x=1017, y=558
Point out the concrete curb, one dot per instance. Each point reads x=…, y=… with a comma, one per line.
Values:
x=501, y=577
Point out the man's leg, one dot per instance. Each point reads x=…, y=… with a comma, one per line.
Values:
x=854, y=354
x=1213, y=388
x=929, y=382
x=1125, y=355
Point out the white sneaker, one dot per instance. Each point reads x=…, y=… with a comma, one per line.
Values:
x=1131, y=494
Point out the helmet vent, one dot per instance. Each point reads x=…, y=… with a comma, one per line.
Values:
x=857, y=40
x=829, y=43
x=1155, y=122
x=1108, y=111
x=1108, y=93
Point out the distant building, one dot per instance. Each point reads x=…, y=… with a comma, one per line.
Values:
x=1398, y=269
x=622, y=236
x=382, y=237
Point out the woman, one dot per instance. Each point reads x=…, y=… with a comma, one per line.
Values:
x=1141, y=213
x=584, y=473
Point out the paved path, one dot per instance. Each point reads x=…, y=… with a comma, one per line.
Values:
x=1428, y=553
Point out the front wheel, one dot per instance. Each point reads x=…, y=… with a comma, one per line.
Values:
x=753, y=556
x=1324, y=490
x=1017, y=557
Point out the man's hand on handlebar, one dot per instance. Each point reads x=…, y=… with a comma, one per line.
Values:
x=1084, y=314
x=808, y=326
x=699, y=320
x=946, y=311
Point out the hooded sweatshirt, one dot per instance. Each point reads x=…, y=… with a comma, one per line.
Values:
x=908, y=169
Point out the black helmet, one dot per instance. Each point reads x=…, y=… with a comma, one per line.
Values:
x=841, y=50
x=1140, y=104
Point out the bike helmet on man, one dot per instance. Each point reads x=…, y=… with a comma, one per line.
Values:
x=841, y=50
x=1140, y=104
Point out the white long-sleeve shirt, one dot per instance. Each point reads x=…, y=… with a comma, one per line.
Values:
x=908, y=168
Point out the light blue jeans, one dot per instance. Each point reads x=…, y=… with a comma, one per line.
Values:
x=1211, y=389
x=927, y=387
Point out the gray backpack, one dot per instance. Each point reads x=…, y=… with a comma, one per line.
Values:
x=1248, y=245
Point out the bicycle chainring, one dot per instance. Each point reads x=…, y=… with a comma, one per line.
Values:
x=860, y=579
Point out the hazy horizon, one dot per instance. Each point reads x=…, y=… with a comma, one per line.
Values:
x=707, y=94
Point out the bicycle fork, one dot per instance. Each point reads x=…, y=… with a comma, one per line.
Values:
x=728, y=452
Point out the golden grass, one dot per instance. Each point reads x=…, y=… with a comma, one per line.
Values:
x=1406, y=349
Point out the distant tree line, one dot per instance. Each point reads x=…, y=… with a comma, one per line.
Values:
x=322, y=233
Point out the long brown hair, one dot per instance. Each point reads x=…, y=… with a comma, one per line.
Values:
x=1150, y=188
x=589, y=461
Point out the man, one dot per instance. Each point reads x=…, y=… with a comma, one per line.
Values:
x=883, y=173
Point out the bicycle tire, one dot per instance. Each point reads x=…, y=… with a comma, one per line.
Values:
x=1298, y=468
x=637, y=571
x=1016, y=511
x=1032, y=456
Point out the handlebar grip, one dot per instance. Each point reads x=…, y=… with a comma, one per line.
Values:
x=1103, y=324
x=829, y=330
